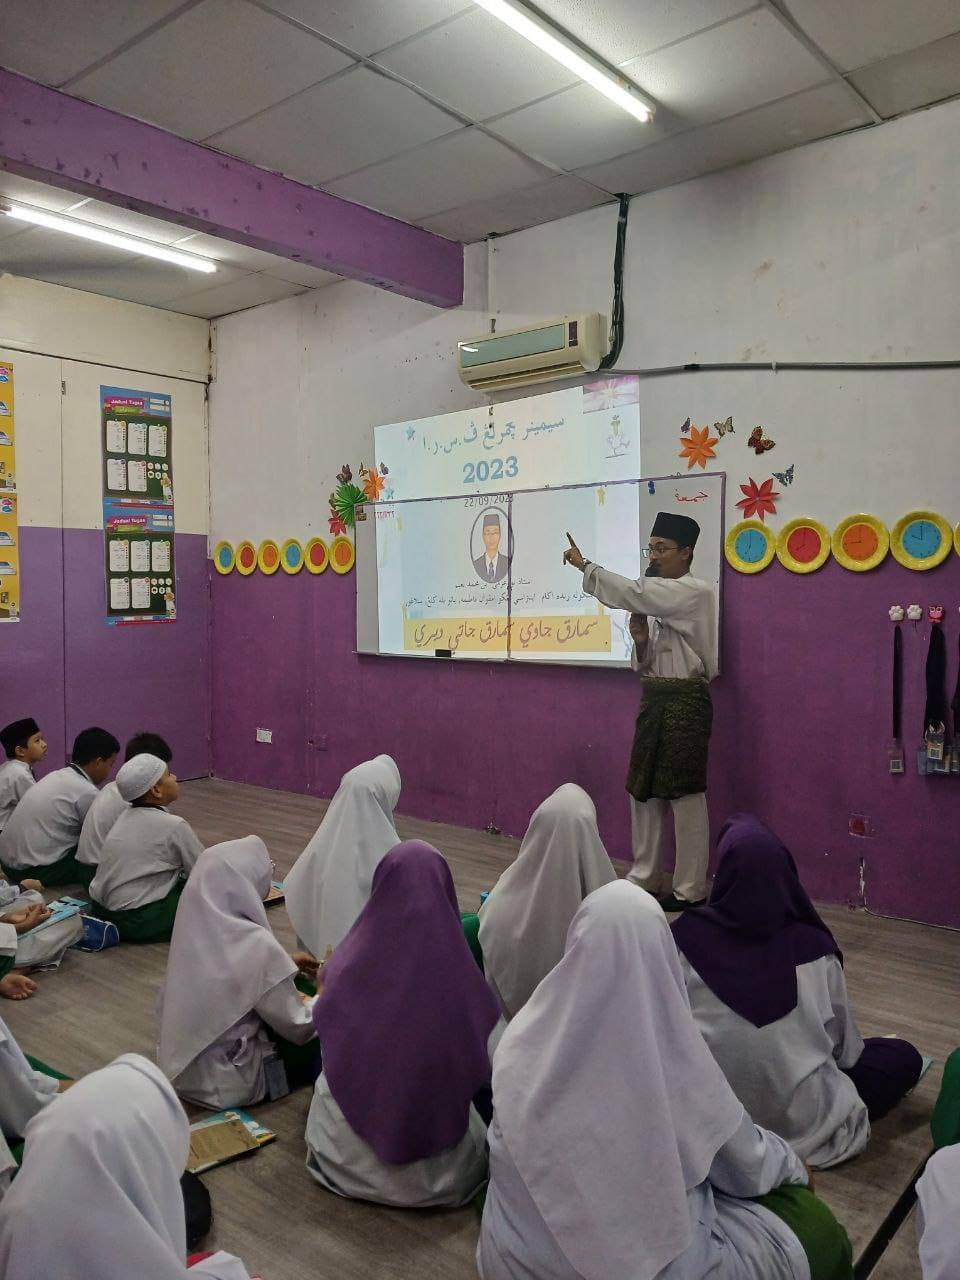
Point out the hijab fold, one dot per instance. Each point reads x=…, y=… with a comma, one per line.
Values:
x=757, y=927
x=524, y=922
x=606, y=1096
x=330, y=882
x=223, y=956
x=405, y=1014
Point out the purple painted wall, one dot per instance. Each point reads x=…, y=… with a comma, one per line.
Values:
x=123, y=678
x=802, y=722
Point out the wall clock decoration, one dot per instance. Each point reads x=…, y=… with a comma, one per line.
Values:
x=921, y=540
x=803, y=545
x=860, y=543
x=749, y=546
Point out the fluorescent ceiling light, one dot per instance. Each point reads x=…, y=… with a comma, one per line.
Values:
x=553, y=41
x=103, y=235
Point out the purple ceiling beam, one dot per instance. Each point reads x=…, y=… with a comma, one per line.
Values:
x=76, y=145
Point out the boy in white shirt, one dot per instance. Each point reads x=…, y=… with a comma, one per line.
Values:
x=24, y=746
x=40, y=838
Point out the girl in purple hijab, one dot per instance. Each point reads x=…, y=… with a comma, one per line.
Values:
x=766, y=985
x=407, y=1026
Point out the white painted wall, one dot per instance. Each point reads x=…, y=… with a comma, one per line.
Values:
x=846, y=250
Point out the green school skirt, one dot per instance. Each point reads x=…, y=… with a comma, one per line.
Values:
x=471, y=931
x=153, y=922
x=826, y=1244
x=66, y=870
x=16, y=1150
x=945, y=1125
x=85, y=873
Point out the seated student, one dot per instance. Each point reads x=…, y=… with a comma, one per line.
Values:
x=407, y=1027
x=23, y=1092
x=40, y=838
x=109, y=805
x=329, y=883
x=24, y=746
x=938, y=1191
x=617, y=1149
x=228, y=1002
x=524, y=922
x=22, y=944
x=146, y=857
x=767, y=990
x=108, y=1154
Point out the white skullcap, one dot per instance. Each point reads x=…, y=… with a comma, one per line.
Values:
x=137, y=776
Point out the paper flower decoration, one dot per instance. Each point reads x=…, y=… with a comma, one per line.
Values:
x=914, y=612
x=896, y=612
x=760, y=500
x=344, y=502
x=698, y=448
x=337, y=526
x=372, y=483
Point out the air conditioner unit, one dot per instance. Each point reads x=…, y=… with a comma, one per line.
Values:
x=566, y=348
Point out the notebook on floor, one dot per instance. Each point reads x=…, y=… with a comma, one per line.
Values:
x=276, y=893
x=225, y=1136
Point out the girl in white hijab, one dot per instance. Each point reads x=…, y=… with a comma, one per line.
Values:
x=938, y=1215
x=109, y=1155
x=23, y=1092
x=329, y=884
x=228, y=980
x=618, y=1150
x=524, y=922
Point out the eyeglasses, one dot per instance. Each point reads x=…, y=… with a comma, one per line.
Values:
x=647, y=552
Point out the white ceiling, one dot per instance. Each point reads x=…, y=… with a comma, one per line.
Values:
x=432, y=111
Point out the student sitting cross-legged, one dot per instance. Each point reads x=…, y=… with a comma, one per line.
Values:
x=22, y=944
x=407, y=1026
x=234, y=1029
x=147, y=855
x=108, y=1155
x=767, y=988
x=109, y=805
x=23, y=1092
x=39, y=841
x=24, y=746
x=617, y=1149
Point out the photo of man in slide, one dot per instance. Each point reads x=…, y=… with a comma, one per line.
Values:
x=492, y=566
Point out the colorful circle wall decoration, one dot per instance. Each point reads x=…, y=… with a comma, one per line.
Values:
x=246, y=558
x=291, y=556
x=316, y=557
x=803, y=545
x=224, y=557
x=860, y=543
x=749, y=546
x=268, y=557
x=342, y=555
x=921, y=540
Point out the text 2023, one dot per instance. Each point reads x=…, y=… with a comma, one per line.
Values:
x=490, y=469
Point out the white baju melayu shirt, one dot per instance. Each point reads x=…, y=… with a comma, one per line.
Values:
x=682, y=620
x=44, y=945
x=340, y=1160
x=938, y=1215
x=98, y=823
x=46, y=824
x=23, y=1092
x=147, y=851
x=16, y=779
x=788, y=1074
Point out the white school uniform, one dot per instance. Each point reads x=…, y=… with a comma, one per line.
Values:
x=16, y=779
x=46, y=824
x=98, y=823
x=228, y=979
x=147, y=851
x=41, y=946
x=938, y=1215
x=23, y=1092
x=342, y=1162
x=108, y=1154
x=631, y=1178
x=788, y=1074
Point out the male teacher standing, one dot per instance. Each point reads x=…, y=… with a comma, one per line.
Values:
x=673, y=625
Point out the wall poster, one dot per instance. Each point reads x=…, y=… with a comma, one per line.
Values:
x=9, y=527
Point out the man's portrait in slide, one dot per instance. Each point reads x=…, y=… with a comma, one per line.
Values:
x=492, y=564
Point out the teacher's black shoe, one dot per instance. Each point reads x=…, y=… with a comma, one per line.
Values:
x=671, y=903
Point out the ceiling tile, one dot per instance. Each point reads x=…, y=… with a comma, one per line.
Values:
x=478, y=66
x=619, y=30
x=245, y=259
x=300, y=273
x=128, y=221
x=365, y=26
x=774, y=127
x=334, y=128
x=214, y=65
x=238, y=295
x=34, y=193
x=857, y=32
x=555, y=198
x=913, y=79
x=51, y=41
x=578, y=127
x=459, y=169
x=728, y=69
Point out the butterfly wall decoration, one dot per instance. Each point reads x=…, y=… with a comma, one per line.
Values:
x=724, y=428
x=759, y=443
x=686, y=426
x=785, y=477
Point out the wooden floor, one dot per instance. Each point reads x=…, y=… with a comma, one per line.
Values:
x=903, y=978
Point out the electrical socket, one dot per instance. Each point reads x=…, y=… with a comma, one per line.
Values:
x=265, y=735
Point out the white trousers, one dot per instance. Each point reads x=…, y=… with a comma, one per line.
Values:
x=691, y=827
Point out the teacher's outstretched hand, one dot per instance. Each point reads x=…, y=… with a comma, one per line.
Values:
x=573, y=556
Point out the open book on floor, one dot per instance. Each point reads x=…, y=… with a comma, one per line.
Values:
x=225, y=1136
